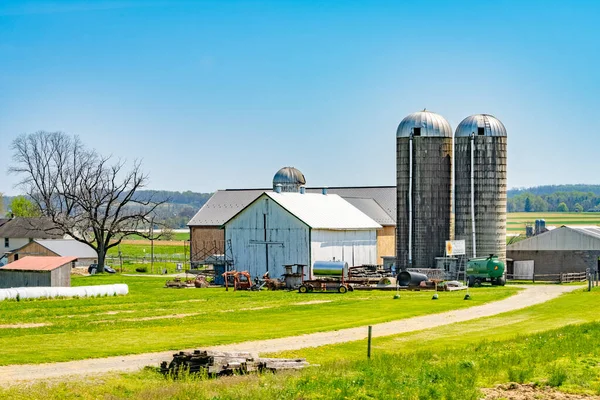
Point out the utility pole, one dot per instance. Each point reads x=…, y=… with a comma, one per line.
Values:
x=152, y=244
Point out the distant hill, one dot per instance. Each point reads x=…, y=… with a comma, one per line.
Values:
x=179, y=208
x=187, y=198
x=551, y=189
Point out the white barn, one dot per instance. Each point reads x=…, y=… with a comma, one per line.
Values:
x=279, y=229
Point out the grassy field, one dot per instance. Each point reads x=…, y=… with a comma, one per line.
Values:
x=516, y=221
x=152, y=318
x=552, y=344
x=138, y=255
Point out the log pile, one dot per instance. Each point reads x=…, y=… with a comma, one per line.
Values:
x=374, y=272
x=217, y=363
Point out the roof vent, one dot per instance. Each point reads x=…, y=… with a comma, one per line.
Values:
x=324, y=190
x=302, y=190
x=278, y=188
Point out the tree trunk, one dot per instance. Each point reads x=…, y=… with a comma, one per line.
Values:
x=101, y=257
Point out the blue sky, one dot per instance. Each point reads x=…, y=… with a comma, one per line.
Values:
x=221, y=94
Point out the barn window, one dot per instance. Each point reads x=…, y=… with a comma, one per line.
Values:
x=481, y=131
x=6, y=242
x=416, y=131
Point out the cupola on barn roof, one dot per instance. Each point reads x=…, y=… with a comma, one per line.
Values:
x=288, y=175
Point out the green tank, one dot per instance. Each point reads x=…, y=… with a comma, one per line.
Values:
x=485, y=269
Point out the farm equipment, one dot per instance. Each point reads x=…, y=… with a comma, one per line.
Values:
x=271, y=284
x=241, y=281
x=485, y=269
x=328, y=276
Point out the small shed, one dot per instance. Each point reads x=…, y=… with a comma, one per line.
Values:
x=34, y=271
x=280, y=229
x=85, y=254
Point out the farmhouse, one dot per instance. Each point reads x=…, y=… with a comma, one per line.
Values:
x=278, y=229
x=17, y=232
x=207, y=237
x=564, y=249
x=37, y=271
x=57, y=248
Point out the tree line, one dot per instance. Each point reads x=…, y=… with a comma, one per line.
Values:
x=573, y=201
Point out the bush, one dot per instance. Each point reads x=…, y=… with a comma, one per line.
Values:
x=141, y=269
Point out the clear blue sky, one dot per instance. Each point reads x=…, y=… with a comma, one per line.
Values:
x=222, y=94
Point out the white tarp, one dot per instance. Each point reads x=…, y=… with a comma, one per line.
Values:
x=49, y=292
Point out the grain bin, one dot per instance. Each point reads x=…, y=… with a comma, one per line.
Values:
x=424, y=189
x=480, y=163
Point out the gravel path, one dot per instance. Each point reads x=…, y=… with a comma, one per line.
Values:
x=532, y=295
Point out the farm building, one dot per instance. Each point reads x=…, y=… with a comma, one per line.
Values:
x=564, y=249
x=278, y=229
x=34, y=271
x=207, y=238
x=17, y=232
x=57, y=248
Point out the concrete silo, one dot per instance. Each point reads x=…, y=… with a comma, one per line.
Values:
x=289, y=179
x=480, y=164
x=424, y=189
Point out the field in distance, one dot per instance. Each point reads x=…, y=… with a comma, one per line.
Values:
x=516, y=221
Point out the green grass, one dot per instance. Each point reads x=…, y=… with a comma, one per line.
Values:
x=175, y=236
x=451, y=362
x=98, y=327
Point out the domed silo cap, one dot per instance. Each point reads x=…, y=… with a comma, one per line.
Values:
x=289, y=175
x=424, y=123
x=480, y=125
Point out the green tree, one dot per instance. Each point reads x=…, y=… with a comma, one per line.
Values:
x=578, y=208
x=528, y=205
x=20, y=206
x=562, y=207
x=1, y=204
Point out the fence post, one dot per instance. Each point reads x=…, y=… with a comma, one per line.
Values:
x=369, y=343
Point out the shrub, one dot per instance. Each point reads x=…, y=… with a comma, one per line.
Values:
x=141, y=269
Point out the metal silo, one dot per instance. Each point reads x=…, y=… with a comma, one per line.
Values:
x=480, y=164
x=289, y=179
x=424, y=189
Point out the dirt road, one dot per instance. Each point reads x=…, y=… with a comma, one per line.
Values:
x=532, y=295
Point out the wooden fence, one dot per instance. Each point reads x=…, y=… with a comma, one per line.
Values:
x=565, y=277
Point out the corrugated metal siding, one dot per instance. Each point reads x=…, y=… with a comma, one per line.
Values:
x=281, y=227
x=354, y=247
x=563, y=238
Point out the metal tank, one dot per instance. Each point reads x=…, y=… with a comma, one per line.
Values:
x=480, y=164
x=288, y=179
x=330, y=268
x=424, y=189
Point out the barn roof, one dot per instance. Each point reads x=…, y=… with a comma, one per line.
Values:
x=68, y=248
x=38, y=228
x=322, y=211
x=371, y=208
x=34, y=263
x=565, y=238
x=224, y=204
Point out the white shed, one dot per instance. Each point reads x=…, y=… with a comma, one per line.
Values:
x=279, y=229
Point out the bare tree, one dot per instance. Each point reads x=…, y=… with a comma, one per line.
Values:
x=86, y=195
